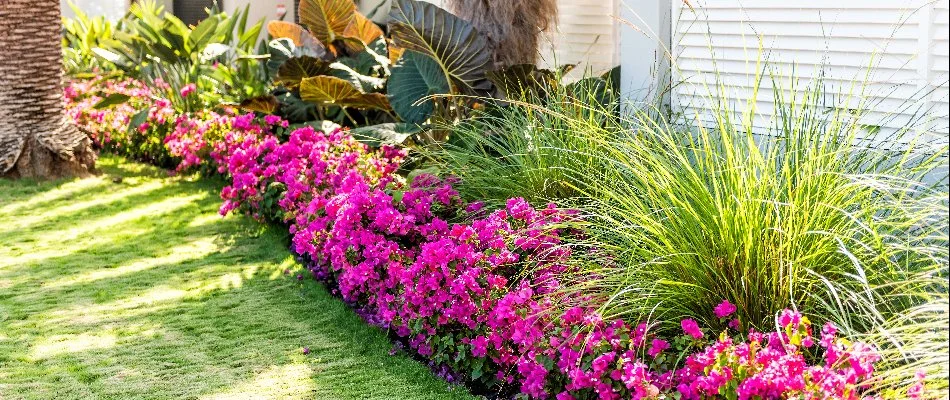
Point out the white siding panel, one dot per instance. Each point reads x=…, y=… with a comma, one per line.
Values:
x=586, y=35
x=890, y=55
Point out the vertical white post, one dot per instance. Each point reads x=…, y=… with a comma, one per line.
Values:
x=925, y=64
x=645, y=31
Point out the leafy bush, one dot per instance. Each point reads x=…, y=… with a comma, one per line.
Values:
x=215, y=60
x=81, y=35
x=123, y=117
x=450, y=278
x=680, y=218
x=406, y=88
x=541, y=144
x=128, y=118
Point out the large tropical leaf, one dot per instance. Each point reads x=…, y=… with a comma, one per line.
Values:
x=412, y=80
x=365, y=83
x=294, y=32
x=461, y=52
x=363, y=31
x=266, y=104
x=392, y=133
x=327, y=19
x=330, y=90
x=295, y=69
x=592, y=90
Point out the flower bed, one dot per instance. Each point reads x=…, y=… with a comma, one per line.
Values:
x=474, y=291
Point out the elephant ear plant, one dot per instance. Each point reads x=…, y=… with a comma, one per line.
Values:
x=342, y=68
x=335, y=68
x=432, y=70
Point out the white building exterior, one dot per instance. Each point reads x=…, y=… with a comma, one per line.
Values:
x=890, y=55
x=896, y=50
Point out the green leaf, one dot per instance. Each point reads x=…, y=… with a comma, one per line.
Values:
x=327, y=19
x=280, y=51
x=461, y=52
x=330, y=90
x=413, y=79
x=292, y=71
x=293, y=109
x=365, y=83
x=111, y=100
x=202, y=33
x=138, y=119
x=369, y=61
x=393, y=133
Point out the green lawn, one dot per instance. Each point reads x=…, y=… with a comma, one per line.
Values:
x=140, y=290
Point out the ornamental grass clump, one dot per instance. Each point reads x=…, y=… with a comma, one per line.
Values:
x=812, y=214
x=479, y=293
x=681, y=213
x=542, y=148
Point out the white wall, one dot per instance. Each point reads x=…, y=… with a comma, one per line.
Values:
x=587, y=34
x=644, y=27
x=260, y=9
x=113, y=9
x=891, y=53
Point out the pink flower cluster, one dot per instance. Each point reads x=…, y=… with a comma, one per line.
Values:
x=476, y=291
x=134, y=126
x=146, y=127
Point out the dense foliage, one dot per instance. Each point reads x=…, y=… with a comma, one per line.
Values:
x=562, y=249
x=477, y=291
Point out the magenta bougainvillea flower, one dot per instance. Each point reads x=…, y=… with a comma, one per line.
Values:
x=475, y=290
x=691, y=328
x=724, y=309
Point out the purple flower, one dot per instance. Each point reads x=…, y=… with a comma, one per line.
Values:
x=691, y=328
x=306, y=350
x=724, y=309
x=657, y=347
x=188, y=90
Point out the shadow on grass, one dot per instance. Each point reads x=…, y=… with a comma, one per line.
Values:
x=172, y=302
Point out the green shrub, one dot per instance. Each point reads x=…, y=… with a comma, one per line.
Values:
x=684, y=216
x=216, y=59
x=543, y=144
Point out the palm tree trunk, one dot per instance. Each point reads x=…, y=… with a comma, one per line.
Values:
x=513, y=27
x=37, y=140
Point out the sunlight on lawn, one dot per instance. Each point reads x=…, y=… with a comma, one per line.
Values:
x=184, y=253
x=279, y=381
x=140, y=289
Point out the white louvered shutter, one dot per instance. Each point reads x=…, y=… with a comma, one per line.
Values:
x=586, y=35
x=895, y=51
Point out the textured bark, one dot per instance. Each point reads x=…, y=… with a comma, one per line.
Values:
x=37, y=140
x=513, y=27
